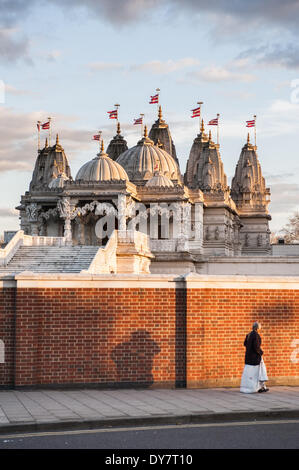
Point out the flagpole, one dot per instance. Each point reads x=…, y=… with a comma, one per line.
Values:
x=38, y=133
x=158, y=91
x=117, y=106
x=142, y=116
x=254, y=130
x=100, y=133
x=218, y=129
x=49, y=131
x=200, y=103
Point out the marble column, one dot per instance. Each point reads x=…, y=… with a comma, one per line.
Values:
x=121, y=207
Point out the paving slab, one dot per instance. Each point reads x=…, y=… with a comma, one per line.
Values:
x=22, y=410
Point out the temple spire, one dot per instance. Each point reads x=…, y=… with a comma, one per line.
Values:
x=57, y=139
x=102, y=146
x=160, y=113
x=46, y=143
x=202, y=128
x=248, y=138
x=145, y=131
x=118, y=128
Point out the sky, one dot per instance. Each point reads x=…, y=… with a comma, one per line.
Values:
x=73, y=60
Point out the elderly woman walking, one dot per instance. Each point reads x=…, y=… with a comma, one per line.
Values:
x=254, y=373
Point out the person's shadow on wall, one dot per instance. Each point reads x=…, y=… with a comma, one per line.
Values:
x=134, y=359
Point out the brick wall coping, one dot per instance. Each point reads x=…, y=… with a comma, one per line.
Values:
x=148, y=281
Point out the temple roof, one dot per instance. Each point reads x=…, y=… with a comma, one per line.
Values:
x=101, y=168
x=117, y=145
x=141, y=161
x=248, y=188
x=161, y=136
x=204, y=167
x=50, y=163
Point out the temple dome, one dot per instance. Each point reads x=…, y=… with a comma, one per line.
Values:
x=58, y=182
x=140, y=161
x=159, y=181
x=102, y=168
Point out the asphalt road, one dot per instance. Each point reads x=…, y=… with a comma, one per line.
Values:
x=282, y=434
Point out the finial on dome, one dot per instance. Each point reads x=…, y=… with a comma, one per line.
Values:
x=160, y=112
x=145, y=131
x=118, y=128
x=102, y=146
x=202, y=128
x=46, y=143
x=248, y=138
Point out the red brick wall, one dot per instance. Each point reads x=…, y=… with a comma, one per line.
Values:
x=97, y=336
x=125, y=336
x=7, y=308
x=218, y=321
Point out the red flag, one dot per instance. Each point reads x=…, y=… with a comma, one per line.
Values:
x=138, y=121
x=196, y=112
x=97, y=137
x=154, y=99
x=250, y=123
x=112, y=114
x=213, y=122
x=46, y=125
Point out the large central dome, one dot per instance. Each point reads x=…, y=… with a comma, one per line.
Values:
x=142, y=161
x=100, y=169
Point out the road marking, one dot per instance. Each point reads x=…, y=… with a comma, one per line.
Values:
x=147, y=428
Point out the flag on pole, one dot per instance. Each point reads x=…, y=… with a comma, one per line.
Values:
x=46, y=125
x=112, y=114
x=250, y=123
x=38, y=125
x=138, y=121
x=97, y=137
x=196, y=112
x=154, y=99
x=213, y=122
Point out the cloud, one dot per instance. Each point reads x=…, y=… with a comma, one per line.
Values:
x=284, y=202
x=12, y=49
x=18, y=136
x=117, y=12
x=102, y=66
x=15, y=91
x=53, y=56
x=275, y=54
x=8, y=212
x=164, y=67
x=220, y=74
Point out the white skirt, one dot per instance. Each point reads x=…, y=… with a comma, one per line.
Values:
x=253, y=378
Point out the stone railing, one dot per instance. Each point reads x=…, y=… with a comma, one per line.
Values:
x=20, y=239
x=105, y=258
x=127, y=251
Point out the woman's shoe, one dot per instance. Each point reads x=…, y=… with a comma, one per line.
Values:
x=264, y=389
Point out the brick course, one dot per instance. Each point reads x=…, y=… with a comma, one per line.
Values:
x=144, y=336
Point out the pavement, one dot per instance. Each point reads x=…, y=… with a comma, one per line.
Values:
x=49, y=409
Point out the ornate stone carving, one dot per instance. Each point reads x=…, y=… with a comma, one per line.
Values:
x=32, y=212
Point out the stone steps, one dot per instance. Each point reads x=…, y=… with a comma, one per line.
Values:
x=51, y=259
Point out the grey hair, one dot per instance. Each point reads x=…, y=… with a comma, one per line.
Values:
x=256, y=325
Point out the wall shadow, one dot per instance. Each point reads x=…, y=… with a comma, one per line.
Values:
x=181, y=334
x=134, y=359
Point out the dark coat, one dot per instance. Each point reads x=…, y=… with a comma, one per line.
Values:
x=253, y=355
